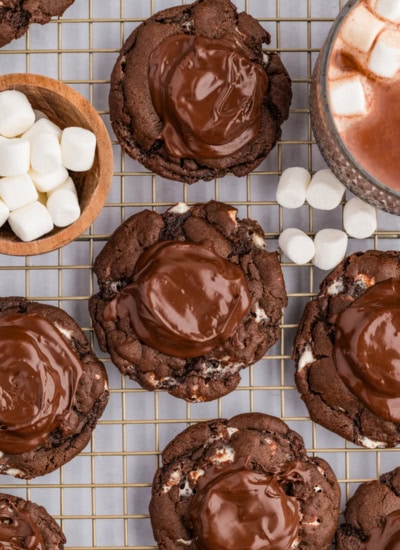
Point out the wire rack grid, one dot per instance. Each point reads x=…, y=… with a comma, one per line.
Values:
x=101, y=497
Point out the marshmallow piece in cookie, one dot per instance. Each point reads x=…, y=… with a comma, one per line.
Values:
x=296, y=245
x=16, y=113
x=31, y=221
x=325, y=191
x=17, y=191
x=330, y=248
x=14, y=156
x=45, y=152
x=384, y=59
x=292, y=186
x=63, y=206
x=48, y=182
x=78, y=147
x=359, y=218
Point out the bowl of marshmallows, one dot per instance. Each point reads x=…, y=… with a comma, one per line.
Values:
x=56, y=164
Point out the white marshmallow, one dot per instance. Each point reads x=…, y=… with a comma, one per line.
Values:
x=291, y=190
x=78, y=147
x=67, y=185
x=14, y=156
x=16, y=113
x=359, y=218
x=384, y=60
x=360, y=28
x=296, y=245
x=387, y=9
x=43, y=125
x=63, y=206
x=47, y=182
x=347, y=96
x=325, y=191
x=31, y=221
x=4, y=211
x=17, y=191
x=330, y=248
x=45, y=153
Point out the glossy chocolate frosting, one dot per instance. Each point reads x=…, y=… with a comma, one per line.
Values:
x=17, y=530
x=38, y=379
x=208, y=95
x=367, y=348
x=385, y=536
x=184, y=299
x=240, y=508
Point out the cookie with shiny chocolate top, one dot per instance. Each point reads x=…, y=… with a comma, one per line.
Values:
x=193, y=96
x=54, y=388
x=17, y=15
x=25, y=525
x=222, y=325
x=372, y=515
x=346, y=350
x=247, y=483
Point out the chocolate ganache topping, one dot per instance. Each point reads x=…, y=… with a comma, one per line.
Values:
x=17, y=530
x=38, y=378
x=239, y=508
x=208, y=95
x=184, y=299
x=385, y=536
x=367, y=348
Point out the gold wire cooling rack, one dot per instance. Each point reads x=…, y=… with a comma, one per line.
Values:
x=101, y=497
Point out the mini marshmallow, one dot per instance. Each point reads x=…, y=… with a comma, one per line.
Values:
x=47, y=182
x=31, y=221
x=45, y=153
x=14, y=156
x=63, y=206
x=67, y=185
x=347, y=96
x=296, y=245
x=17, y=191
x=4, y=212
x=291, y=190
x=325, y=191
x=43, y=125
x=330, y=248
x=360, y=28
x=78, y=147
x=387, y=9
x=384, y=60
x=359, y=218
x=16, y=113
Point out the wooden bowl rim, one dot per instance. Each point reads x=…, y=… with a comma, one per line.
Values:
x=105, y=167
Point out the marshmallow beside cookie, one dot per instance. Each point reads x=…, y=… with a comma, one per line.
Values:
x=36, y=190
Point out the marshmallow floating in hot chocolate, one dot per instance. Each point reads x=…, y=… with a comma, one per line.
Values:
x=36, y=191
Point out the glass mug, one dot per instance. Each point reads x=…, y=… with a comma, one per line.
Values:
x=345, y=162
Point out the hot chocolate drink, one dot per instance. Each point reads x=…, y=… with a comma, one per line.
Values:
x=355, y=91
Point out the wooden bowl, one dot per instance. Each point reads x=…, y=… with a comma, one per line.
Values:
x=65, y=107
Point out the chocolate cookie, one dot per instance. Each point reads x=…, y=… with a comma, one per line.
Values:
x=17, y=15
x=229, y=484
x=53, y=388
x=25, y=524
x=187, y=299
x=193, y=96
x=347, y=349
x=372, y=516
